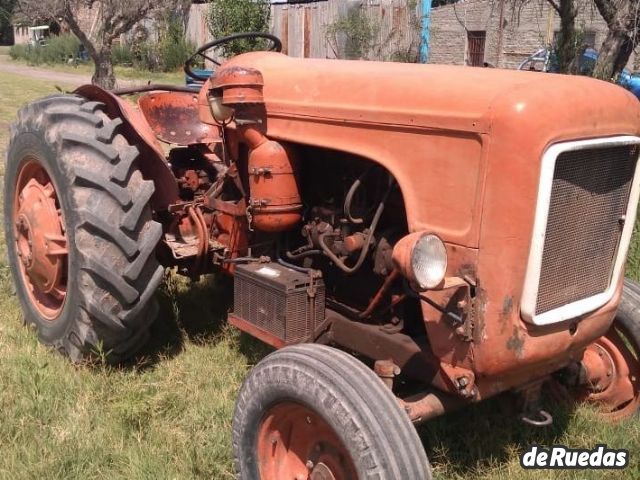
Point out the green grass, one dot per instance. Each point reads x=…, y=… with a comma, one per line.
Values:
x=168, y=414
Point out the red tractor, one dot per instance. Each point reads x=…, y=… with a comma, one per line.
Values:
x=411, y=238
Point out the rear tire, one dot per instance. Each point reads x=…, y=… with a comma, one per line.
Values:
x=111, y=271
x=309, y=407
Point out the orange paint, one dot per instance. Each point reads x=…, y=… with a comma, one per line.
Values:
x=465, y=147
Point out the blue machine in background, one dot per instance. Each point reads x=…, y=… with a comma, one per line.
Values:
x=544, y=60
x=196, y=83
x=630, y=81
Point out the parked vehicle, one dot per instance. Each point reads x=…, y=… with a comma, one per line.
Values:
x=452, y=237
x=544, y=61
x=38, y=35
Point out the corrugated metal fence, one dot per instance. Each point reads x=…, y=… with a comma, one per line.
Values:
x=384, y=29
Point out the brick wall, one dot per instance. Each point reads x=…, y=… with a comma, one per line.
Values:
x=525, y=30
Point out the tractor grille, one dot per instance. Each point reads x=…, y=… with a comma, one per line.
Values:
x=589, y=198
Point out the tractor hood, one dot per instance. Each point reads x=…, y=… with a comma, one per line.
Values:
x=444, y=132
x=434, y=96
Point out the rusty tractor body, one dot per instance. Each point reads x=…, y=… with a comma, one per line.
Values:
x=463, y=230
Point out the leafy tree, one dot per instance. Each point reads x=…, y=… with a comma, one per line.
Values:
x=112, y=19
x=226, y=17
x=353, y=36
x=6, y=29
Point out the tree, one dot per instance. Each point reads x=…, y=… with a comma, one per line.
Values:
x=227, y=17
x=6, y=29
x=567, y=48
x=112, y=19
x=623, y=20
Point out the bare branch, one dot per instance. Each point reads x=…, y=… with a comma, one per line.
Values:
x=555, y=6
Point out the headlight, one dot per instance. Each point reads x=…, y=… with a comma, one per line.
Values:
x=221, y=113
x=422, y=258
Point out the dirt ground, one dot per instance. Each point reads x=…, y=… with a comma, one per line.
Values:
x=52, y=76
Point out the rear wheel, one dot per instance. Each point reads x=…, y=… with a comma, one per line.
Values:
x=80, y=237
x=611, y=364
x=314, y=412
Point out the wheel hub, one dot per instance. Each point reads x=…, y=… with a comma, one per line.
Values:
x=599, y=367
x=321, y=472
x=612, y=376
x=41, y=243
x=295, y=443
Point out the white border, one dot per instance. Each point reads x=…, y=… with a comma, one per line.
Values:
x=534, y=265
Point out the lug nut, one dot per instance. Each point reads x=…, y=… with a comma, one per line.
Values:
x=463, y=382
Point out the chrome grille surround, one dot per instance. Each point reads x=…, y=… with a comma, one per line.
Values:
x=540, y=305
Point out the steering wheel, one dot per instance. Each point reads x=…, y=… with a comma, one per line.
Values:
x=276, y=46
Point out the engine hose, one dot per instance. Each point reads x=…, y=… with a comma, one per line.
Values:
x=284, y=263
x=349, y=198
x=365, y=249
x=303, y=254
x=292, y=266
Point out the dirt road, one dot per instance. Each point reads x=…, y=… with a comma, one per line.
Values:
x=8, y=66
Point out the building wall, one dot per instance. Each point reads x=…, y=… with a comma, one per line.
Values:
x=20, y=34
x=524, y=31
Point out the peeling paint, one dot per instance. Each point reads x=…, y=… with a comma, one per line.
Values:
x=505, y=313
x=516, y=343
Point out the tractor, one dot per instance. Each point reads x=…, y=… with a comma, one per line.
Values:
x=411, y=240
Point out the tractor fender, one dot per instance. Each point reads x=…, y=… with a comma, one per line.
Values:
x=136, y=129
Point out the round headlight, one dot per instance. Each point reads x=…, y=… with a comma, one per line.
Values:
x=422, y=258
x=429, y=261
x=221, y=113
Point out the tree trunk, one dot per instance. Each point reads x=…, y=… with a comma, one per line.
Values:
x=104, y=75
x=567, y=49
x=610, y=55
x=622, y=19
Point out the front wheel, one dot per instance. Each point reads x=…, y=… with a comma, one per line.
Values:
x=314, y=412
x=611, y=365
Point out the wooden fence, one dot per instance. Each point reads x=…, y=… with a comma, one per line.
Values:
x=306, y=28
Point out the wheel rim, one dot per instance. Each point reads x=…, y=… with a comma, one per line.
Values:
x=612, y=370
x=40, y=239
x=295, y=443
